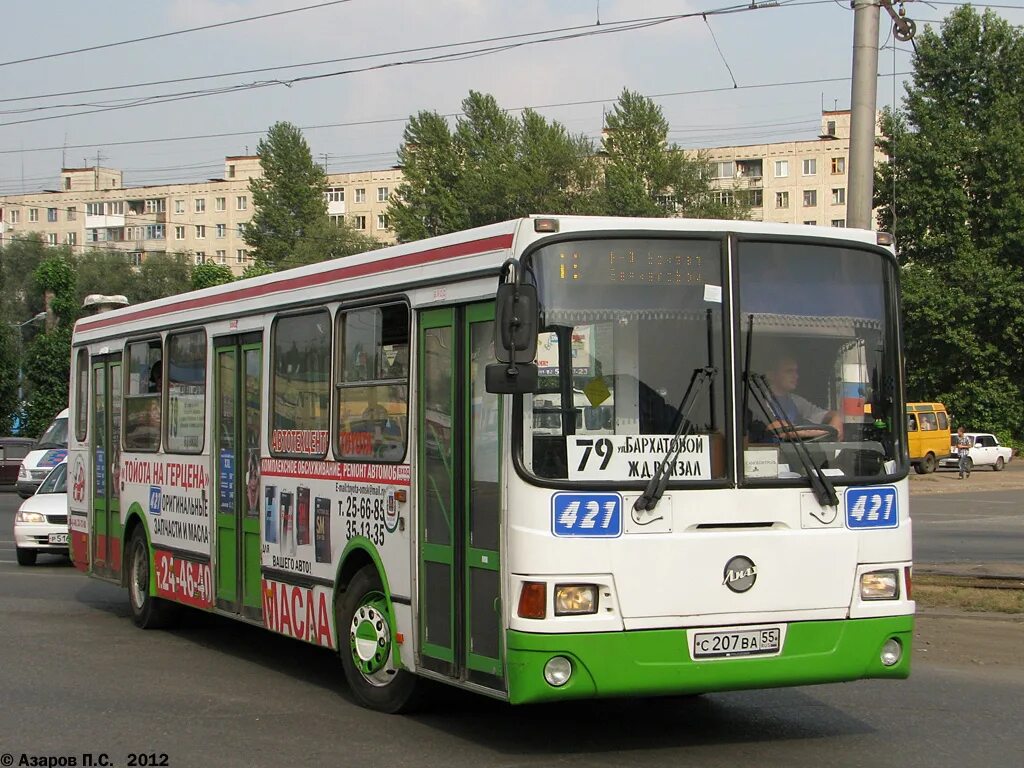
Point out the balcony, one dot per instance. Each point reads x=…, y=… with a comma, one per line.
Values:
x=93, y=221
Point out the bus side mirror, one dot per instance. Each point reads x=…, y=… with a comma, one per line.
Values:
x=515, y=323
x=505, y=379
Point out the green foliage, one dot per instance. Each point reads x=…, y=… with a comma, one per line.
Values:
x=952, y=196
x=289, y=225
x=493, y=167
x=55, y=277
x=19, y=296
x=47, y=363
x=107, y=272
x=255, y=269
x=163, y=274
x=10, y=353
x=209, y=274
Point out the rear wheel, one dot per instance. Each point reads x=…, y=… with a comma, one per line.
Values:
x=148, y=612
x=927, y=464
x=26, y=556
x=998, y=466
x=366, y=641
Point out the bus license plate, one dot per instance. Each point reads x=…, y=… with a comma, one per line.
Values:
x=57, y=538
x=749, y=642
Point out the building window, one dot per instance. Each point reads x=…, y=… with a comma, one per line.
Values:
x=358, y=222
x=755, y=198
x=51, y=238
x=200, y=257
x=115, y=207
x=186, y=392
x=782, y=199
x=241, y=256
x=15, y=216
x=135, y=257
x=200, y=231
x=838, y=222
x=94, y=209
x=33, y=214
x=67, y=185
x=301, y=384
x=382, y=194
x=200, y=203
x=336, y=219
x=156, y=206
x=360, y=195
x=810, y=166
x=811, y=223
x=838, y=165
x=839, y=196
x=337, y=194
x=71, y=238
x=373, y=383
x=51, y=214
x=241, y=203
x=222, y=231
x=155, y=232
x=723, y=197
x=382, y=221
x=810, y=198
x=72, y=213
x=222, y=256
x=231, y=171
x=219, y=203
x=179, y=232
x=135, y=233
x=723, y=170
x=781, y=169
x=143, y=403
x=179, y=206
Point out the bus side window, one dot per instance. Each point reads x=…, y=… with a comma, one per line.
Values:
x=911, y=423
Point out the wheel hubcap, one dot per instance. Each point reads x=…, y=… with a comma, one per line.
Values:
x=370, y=640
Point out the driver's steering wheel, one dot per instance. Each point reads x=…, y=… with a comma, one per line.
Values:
x=809, y=433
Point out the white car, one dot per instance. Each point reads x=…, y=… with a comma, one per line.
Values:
x=986, y=452
x=41, y=523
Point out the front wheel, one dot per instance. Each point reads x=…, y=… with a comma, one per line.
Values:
x=927, y=464
x=148, y=612
x=26, y=556
x=998, y=466
x=366, y=642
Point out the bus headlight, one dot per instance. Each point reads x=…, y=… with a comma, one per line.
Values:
x=575, y=599
x=880, y=585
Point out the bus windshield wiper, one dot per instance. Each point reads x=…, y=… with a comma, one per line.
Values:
x=700, y=380
x=823, y=489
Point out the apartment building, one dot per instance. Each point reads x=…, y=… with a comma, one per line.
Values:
x=792, y=182
x=93, y=209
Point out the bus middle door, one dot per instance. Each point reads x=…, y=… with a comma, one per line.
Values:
x=237, y=422
x=105, y=456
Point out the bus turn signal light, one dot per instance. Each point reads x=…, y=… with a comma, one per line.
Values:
x=533, y=600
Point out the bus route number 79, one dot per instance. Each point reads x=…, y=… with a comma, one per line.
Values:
x=603, y=447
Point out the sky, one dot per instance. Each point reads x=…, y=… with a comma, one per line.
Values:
x=749, y=77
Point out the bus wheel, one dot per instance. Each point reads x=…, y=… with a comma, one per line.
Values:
x=148, y=612
x=367, y=645
x=927, y=464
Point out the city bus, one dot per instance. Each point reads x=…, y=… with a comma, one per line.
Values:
x=252, y=450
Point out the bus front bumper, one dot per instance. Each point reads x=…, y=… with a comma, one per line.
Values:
x=658, y=663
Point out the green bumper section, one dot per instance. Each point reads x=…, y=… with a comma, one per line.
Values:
x=657, y=662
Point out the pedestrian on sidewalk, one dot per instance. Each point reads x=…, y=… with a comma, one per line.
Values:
x=963, y=449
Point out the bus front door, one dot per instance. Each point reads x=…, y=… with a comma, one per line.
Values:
x=105, y=456
x=459, y=599
x=236, y=469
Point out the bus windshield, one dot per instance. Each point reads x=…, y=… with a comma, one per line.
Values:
x=628, y=326
x=613, y=364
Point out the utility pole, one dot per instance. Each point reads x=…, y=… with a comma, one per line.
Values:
x=863, y=96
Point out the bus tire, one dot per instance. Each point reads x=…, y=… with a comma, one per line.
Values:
x=927, y=465
x=148, y=612
x=367, y=646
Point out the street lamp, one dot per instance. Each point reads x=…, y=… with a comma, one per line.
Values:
x=21, y=374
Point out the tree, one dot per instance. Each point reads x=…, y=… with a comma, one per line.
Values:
x=952, y=196
x=10, y=359
x=290, y=225
x=645, y=175
x=18, y=261
x=106, y=272
x=209, y=274
x=163, y=274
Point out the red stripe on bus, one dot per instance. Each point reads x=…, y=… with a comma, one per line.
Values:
x=471, y=248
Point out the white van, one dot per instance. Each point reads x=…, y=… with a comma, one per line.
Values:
x=49, y=451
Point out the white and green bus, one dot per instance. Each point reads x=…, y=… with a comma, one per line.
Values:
x=348, y=453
